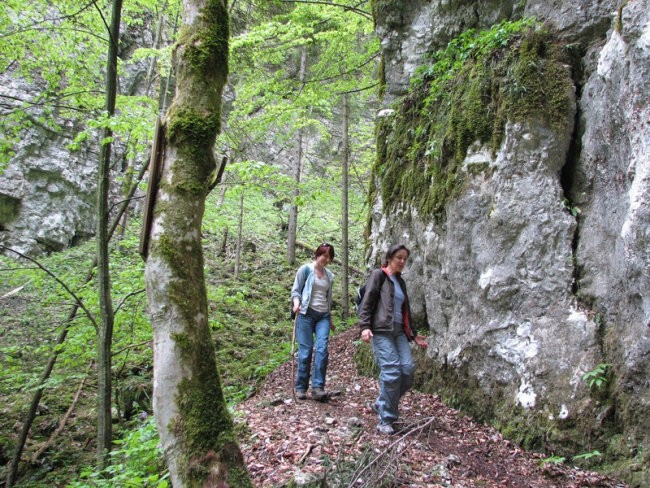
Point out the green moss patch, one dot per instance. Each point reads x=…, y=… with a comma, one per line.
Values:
x=9, y=209
x=382, y=9
x=364, y=360
x=512, y=72
x=207, y=44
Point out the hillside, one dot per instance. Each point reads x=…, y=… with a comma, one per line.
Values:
x=436, y=446
x=281, y=439
x=507, y=154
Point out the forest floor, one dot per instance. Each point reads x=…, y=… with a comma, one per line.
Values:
x=304, y=441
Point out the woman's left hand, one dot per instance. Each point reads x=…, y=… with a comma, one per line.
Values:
x=421, y=341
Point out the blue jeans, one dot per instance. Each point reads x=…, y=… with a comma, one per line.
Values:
x=307, y=325
x=396, y=371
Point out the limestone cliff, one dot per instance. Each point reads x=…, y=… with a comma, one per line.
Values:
x=528, y=219
x=48, y=185
x=47, y=192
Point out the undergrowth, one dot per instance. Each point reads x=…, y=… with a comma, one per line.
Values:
x=248, y=317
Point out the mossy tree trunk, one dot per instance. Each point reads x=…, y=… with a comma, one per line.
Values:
x=194, y=424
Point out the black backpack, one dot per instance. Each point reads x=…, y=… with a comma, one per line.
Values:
x=361, y=291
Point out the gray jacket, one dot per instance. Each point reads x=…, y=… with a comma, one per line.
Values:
x=303, y=283
x=376, y=310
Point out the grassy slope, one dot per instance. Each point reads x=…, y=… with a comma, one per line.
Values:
x=249, y=317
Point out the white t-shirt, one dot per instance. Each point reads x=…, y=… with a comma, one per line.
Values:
x=319, y=289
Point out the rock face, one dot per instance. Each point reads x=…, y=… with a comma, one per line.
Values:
x=523, y=292
x=47, y=190
x=47, y=193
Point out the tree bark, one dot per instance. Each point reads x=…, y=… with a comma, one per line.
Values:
x=12, y=470
x=344, y=209
x=292, y=228
x=105, y=329
x=194, y=425
x=240, y=228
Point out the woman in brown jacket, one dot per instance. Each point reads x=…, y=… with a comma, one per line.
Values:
x=384, y=319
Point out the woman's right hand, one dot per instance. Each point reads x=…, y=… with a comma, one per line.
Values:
x=366, y=335
x=296, y=307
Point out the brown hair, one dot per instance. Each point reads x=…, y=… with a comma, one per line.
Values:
x=394, y=249
x=325, y=248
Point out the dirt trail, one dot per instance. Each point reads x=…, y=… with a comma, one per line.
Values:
x=434, y=447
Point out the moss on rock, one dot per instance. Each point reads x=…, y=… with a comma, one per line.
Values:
x=512, y=72
x=364, y=360
x=9, y=208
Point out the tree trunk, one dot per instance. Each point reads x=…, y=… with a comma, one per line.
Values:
x=240, y=228
x=12, y=470
x=105, y=329
x=156, y=45
x=293, y=211
x=224, y=243
x=127, y=182
x=194, y=425
x=168, y=86
x=344, y=208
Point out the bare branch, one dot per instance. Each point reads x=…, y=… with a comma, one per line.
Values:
x=52, y=20
x=364, y=88
x=77, y=300
x=387, y=454
x=63, y=421
x=126, y=297
x=130, y=346
x=352, y=71
x=356, y=10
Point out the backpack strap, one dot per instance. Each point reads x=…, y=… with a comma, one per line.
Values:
x=382, y=279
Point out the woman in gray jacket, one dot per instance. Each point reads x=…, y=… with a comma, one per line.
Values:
x=384, y=319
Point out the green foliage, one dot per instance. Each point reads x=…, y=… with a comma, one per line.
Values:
x=571, y=208
x=552, y=460
x=268, y=192
x=137, y=462
x=447, y=63
x=41, y=46
x=481, y=80
x=61, y=48
x=248, y=316
x=588, y=455
x=37, y=326
x=273, y=103
x=561, y=459
x=597, y=377
x=364, y=360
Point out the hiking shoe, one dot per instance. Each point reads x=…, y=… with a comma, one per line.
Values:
x=386, y=429
x=318, y=394
x=301, y=395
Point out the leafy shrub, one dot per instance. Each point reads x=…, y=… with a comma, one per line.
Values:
x=137, y=463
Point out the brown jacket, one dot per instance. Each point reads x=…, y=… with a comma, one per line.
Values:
x=376, y=310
